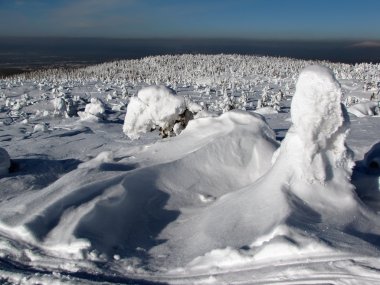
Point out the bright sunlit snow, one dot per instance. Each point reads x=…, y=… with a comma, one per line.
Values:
x=192, y=169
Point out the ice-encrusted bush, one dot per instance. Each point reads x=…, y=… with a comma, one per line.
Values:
x=95, y=110
x=65, y=106
x=158, y=106
x=321, y=121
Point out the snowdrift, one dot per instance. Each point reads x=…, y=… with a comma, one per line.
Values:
x=364, y=109
x=304, y=204
x=106, y=208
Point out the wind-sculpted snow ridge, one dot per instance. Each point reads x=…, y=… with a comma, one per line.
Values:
x=219, y=203
x=304, y=204
x=108, y=209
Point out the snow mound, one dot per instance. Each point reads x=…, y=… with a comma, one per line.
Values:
x=364, y=109
x=43, y=128
x=5, y=162
x=158, y=106
x=93, y=111
x=107, y=208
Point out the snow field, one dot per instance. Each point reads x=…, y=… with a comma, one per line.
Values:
x=210, y=200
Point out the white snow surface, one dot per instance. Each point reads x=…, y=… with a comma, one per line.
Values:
x=363, y=109
x=239, y=198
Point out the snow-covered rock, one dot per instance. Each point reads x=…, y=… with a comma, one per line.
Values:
x=5, y=162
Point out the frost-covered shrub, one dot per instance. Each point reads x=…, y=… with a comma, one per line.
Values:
x=320, y=120
x=65, y=106
x=351, y=100
x=95, y=110
x=158, y=106
x=5, y=162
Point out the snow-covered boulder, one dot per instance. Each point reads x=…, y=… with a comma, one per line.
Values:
x=5, y=162
x=364, y=109
x=95, y=110
x=157, y=106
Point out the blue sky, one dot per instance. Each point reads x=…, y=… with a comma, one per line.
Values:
x=252, y=19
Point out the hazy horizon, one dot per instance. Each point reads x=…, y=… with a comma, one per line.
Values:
x=147, y=19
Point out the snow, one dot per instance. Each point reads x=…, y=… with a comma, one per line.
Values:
x=372, y=159
x=40, y=128
x=365, y=109
x=320, y=120
x=121, y=199
x=234, y=197
x=153, y=106
x=157, y=106
x=5, y=162
x=95, y=110
x=266, y=111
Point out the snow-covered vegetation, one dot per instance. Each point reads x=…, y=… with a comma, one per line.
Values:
x=258, y=175
x=158, y=106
